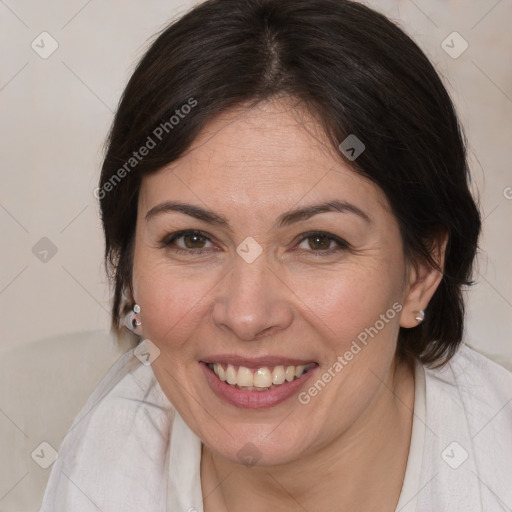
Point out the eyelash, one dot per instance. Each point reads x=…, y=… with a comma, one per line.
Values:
x=170, y=239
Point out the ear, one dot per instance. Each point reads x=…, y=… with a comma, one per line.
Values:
x=422, y=282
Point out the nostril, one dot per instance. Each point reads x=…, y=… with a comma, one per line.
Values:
x=269, y=331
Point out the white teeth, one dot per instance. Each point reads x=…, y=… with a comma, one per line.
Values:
x=244, y=377
x=290, y=373
x=299, y=370
x=278, y=375
x=217, y=368
x=231, y=375
x=261, y=379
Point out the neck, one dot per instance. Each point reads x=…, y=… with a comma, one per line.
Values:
x=362, y=469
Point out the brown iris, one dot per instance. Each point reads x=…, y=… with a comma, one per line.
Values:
x=196, y=241
x=319, y=242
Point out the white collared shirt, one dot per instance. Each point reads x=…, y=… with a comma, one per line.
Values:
x=130, y=451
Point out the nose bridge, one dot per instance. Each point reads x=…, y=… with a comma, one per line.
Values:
x=252, y=300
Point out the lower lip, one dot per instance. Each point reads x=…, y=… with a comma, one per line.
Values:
x=254, y=399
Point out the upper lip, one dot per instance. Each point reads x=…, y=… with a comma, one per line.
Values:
x=256, y=362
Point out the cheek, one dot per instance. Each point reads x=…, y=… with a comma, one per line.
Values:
x=351, y=302
x=355, y=314
x=172, y=301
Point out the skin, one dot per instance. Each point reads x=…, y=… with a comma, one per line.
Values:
x=349, y=444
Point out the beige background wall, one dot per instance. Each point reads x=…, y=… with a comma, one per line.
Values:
x=55, y=113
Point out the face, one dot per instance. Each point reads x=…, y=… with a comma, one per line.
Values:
x=243, y=273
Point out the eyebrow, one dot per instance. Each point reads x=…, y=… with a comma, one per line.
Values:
x=286, y=219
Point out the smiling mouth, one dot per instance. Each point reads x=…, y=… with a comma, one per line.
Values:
x=260, y=379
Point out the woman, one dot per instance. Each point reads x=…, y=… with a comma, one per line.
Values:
x=289, y=227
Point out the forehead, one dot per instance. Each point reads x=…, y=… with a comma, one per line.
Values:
x=268, y=156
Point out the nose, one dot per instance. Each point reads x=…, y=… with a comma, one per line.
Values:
x=252, y=301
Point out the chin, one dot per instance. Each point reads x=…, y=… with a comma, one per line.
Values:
x=257, y=444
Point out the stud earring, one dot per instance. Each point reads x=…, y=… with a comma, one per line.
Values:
x=132, y=320
x=419, y=316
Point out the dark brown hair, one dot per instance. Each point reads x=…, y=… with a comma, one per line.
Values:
x=357, y=73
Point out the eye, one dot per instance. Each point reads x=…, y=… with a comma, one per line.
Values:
x=322, y=244
x=189, y=241
x=196, y=242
